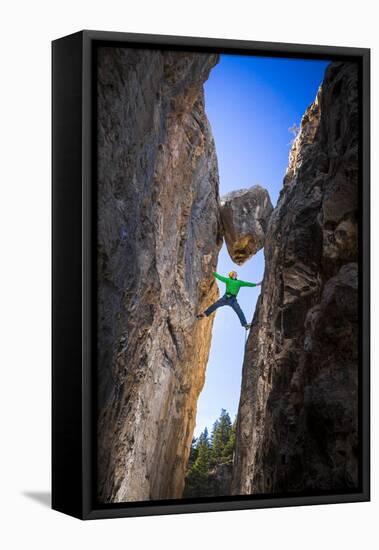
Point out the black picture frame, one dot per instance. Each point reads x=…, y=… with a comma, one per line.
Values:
x=73, y=313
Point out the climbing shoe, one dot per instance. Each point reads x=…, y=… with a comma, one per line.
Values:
x=200, y=315
x=247, y=326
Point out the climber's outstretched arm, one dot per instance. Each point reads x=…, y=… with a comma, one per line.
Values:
x=245, y=283
x=220, y=277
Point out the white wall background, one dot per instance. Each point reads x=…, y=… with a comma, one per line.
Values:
x=26, y=31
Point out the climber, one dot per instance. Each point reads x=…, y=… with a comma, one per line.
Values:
x=233, y=286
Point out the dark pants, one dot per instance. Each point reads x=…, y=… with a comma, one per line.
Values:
x=227, y=301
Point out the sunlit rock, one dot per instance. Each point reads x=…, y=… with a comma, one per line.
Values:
x=245, y=214
x=159, y=234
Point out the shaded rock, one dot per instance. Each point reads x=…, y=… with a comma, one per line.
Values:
x=159, y=233
x=297, y=427
x=220, y=479
x=245, y=214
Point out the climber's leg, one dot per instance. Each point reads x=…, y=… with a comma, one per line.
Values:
x=221, y=302
x=235, y=305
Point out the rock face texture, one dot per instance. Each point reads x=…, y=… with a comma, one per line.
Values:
x=244, y=215
x=297, y=427
x=159, y=233
x=221, y=479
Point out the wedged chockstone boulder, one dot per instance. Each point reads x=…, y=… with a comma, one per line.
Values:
x=159, y=234
x=297, y=424
x=245, y=214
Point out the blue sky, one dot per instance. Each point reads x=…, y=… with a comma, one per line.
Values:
x=251, y=103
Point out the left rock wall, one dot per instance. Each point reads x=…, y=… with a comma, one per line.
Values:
x=159, y=234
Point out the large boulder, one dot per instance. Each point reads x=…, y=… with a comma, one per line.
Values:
x=245, y=214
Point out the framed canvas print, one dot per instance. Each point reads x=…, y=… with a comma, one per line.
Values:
x=210, y=274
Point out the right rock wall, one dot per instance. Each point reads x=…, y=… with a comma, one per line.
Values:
x=297, y=426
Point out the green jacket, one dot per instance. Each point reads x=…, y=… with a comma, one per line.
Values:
x=232, y=285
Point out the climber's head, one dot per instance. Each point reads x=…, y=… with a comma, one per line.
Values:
x=233, y=274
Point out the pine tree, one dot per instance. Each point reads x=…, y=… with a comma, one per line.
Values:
x=206, y=454
x=228, y=452
x=193, y=452
x=203, y=438
x=197, y=482
x=203, y=452
x=220, y=437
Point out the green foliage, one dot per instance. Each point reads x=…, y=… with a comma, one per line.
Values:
x=221, y=433
x=228, y=451
x=207, y=453
x=193, y=453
